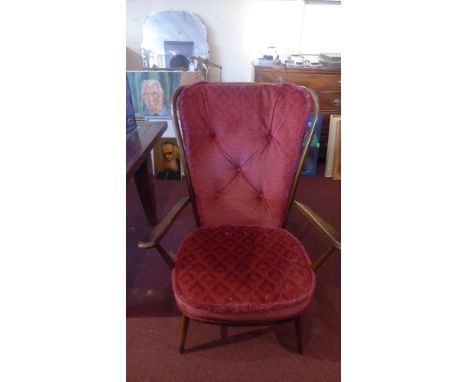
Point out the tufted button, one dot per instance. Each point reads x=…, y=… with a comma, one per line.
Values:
x=269, y=137
x=239, y=169
x=217, y=194
x=212, y=135
x=260, y=195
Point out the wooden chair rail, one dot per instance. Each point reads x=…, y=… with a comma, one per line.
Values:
x=166, y=257
x=329, y=232
x=225, y=324
x=235, y=324
x=151, y=239
x=318, y=263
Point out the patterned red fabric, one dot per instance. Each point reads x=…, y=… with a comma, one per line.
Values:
x=243, y=143
x=242, y=273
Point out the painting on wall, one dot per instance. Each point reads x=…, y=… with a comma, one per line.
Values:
x=151, y=92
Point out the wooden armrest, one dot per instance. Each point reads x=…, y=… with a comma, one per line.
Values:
x=331, y=233
x=159, y=230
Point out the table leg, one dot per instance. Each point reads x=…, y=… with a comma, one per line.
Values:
x=145, y=186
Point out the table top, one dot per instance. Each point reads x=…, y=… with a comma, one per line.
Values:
x=141, y=142
x=299, y=69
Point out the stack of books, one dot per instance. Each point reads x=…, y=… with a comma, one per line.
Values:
x=330, y=60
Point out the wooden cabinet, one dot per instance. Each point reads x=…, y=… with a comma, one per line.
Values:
x=326, y=82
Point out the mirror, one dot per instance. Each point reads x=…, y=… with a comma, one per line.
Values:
x=171, y=38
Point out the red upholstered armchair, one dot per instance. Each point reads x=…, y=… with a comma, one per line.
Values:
x=242, y=150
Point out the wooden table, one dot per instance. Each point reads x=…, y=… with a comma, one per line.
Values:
x=139, y=146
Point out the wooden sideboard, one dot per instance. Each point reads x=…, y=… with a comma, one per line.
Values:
x=187, y=78
x=325, y=81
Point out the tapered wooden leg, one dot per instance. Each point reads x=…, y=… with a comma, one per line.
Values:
x=297, y=325
x=144, y=182
x=183, y=333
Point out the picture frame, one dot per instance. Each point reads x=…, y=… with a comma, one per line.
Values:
x=309, y=168
x=166, y=160
x=330, y=159
x=337, y=159
x=130, y=113
x=151, y=92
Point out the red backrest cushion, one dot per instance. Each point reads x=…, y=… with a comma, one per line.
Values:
x=242, y=142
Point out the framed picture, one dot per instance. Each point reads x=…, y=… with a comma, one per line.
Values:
x=151, y=92
x=130, y=114
x=167, y=160
x=329, y=163
x=337, y=159
x=309, y=167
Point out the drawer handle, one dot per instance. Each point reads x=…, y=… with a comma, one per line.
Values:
x=339, y=83
x=337, y=102
x=279, y=80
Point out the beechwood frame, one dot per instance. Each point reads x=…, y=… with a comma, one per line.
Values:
x=152, y=239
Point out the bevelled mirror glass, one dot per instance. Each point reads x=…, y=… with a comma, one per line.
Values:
x=171, y=38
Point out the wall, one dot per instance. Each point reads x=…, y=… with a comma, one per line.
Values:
x=240, y=30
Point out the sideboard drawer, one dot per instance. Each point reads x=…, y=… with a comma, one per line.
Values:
x=318, y=82
x=330, y=101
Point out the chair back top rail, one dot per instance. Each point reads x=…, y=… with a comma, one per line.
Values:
x=270, y=121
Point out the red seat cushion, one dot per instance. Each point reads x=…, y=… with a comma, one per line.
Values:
x=242, y=274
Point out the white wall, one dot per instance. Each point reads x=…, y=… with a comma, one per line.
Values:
x=240, y=30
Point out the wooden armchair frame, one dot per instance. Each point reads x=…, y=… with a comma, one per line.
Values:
x=155, y=235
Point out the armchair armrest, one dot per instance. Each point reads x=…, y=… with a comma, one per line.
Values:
x=157, y=232
x=331, y=233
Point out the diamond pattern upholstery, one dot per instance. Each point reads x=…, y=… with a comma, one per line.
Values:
x=242, y=273
x=242, y=144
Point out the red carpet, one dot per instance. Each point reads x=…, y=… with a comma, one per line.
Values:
x=244, y=354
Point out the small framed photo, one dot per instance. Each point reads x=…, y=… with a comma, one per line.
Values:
x=167, y=160
x=151, y=92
